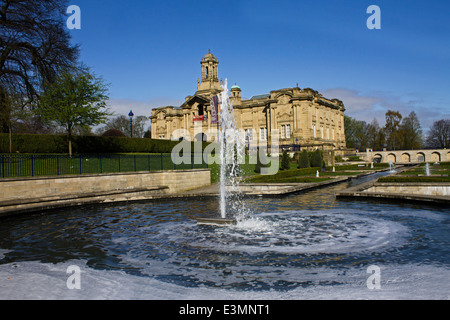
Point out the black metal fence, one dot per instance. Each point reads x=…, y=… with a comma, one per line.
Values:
x=56, y=165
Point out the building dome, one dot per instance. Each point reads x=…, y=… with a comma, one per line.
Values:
x=235, y=87
x=209, y=56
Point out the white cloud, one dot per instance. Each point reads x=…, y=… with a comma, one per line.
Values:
x=367, y=106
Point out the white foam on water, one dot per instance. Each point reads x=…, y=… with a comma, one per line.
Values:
x=34, y=280
x=302, y=232
x=3, y=252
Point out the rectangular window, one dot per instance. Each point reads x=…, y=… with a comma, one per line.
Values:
x=283, y=132
x=263, y=134
x=288, y=131
x=248, y=135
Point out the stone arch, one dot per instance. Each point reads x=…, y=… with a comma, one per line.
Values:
x=448, y=156
x=405, y=157
x=421, y=157
x=435, y=157
x=377, y=158
x=391, y=157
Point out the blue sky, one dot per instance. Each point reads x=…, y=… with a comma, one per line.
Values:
x=150, y=51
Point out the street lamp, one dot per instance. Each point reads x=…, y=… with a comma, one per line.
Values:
x=131, y=115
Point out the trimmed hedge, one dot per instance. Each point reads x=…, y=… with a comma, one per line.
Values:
x=39, y=143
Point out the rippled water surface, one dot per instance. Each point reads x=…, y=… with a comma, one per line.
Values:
x=306, y=240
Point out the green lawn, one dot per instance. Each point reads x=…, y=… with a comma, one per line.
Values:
x=247, y=169
x=295, y=175
x=438, y=173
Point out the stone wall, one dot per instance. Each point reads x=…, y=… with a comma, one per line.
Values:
x=428, y=189
x=31, y=194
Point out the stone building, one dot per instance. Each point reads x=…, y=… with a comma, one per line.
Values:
x=303, y=117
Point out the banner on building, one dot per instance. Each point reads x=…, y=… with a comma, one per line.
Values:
x=214, y=110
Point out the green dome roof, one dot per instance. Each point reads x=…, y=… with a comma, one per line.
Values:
x=236, y=87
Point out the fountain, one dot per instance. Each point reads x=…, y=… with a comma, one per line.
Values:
x=231, y=155
x=308, y=245
x=427, y=169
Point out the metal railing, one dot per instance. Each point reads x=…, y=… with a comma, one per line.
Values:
x=12, y=166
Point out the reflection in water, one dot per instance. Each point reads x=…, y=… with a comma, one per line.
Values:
x=281, y=247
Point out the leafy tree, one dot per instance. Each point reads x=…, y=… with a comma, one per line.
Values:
x=74, y=99
x=411, y=132
x=351, y=128
x=375, y=136
x=356, y=133
x=34, y=48
x=439, y=134
x=392, y=129
x=148, y=134
x=285, y=161
x=303, y=161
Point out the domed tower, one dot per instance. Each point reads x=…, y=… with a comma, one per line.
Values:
x=210, y=76
x=235, y=95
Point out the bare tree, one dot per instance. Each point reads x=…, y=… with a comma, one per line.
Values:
x=34, y=48
x=439, y=134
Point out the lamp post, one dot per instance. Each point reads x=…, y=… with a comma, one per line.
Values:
x=131, y=115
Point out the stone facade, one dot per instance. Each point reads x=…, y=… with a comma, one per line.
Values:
x=302, y=116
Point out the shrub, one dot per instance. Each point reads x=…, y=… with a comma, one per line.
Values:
x=285, y=161
x=317, y=159
x=259, y=164
x=39, y=143
x=303, y=162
